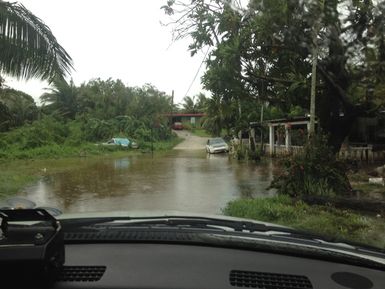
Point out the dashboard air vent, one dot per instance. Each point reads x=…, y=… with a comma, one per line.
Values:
x=82, y=273
x=268, y=280
x=117, y=235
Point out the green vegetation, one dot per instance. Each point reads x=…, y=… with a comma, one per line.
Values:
x=322, y=220
x=360, y=182
x=12, y=179
x=201, y=132
x=71, y=147
x=28, y=47
x=74, y=119
x=16, y=108
x=313, y=171
x=162, y=145
x=195, y=104
x=242, y=152
x=367, y=188
x=259, y=57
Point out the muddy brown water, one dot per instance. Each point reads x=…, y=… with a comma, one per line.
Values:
x=189, y=181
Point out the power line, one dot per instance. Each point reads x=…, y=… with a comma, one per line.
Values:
x=196, y=74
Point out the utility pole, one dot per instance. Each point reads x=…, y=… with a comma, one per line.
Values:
x=313, y=89
x=316, y=28
x=172, y=108
x=261, y=130
x=152, y=140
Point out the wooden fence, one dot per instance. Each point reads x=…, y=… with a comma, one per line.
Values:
x=361, y=154
x=281, y=150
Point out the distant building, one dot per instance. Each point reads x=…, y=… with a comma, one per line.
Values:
x=191, y=118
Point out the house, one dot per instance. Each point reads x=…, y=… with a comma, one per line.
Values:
x=192, y=118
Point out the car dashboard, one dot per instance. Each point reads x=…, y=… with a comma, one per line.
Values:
x=151, y=265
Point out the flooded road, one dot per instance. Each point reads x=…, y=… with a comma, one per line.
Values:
x=183, y=180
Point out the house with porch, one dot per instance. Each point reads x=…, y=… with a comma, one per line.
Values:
x=281, y=131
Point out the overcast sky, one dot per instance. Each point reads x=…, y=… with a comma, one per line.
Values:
x=120, y=39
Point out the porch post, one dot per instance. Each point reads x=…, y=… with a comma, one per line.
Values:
x=287, y=138
x=271, y=139
x=252, y=133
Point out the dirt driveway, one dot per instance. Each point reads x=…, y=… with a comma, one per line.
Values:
x=191, y=142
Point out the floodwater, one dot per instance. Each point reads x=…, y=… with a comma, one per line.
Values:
x=187, y=181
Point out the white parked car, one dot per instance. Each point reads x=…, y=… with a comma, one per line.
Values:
x=216, y=145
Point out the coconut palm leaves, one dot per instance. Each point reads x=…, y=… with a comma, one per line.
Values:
x=27, y=46
x=61, y=98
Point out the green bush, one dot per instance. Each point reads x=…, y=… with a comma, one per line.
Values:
x=95, y=129
x=314, y=171
x=51, y=138
x=242, y=152
x=188, y=126
x=40, y=133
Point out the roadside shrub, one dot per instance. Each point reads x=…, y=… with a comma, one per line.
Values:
x=187, y=125
x=163, y=132
x=144, y=134
x=36, y=137
x=95, y=129
x=314, y=171
x=40, y=133
x=3, y=143
x=242, y=152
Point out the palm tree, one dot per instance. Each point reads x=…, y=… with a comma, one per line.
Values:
x=62, y=98
x=27, y=46
x=213, y=121
x=201, y=103
x=189, y=105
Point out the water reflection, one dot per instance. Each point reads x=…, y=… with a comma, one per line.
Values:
x=180, y=180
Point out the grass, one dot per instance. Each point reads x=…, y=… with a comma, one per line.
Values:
x=360, y=181
x=200, y=132
x=162, y=145
x=322, y=220
x=55, y=151
x=369, y=188
x=13, y=179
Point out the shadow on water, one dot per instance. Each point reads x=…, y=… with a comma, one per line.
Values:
x=188, y=181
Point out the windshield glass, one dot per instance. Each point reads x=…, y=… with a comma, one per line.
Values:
x=112, y=107
x=217, y=141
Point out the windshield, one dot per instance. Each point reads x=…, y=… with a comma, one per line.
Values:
x=107, y=108
x=217, y=141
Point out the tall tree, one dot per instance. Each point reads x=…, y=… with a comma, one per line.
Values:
x=28, y=47
x=5, y=117
x=20, y=107
x=262, y=53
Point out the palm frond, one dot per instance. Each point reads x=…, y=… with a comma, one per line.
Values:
x=27, y=46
